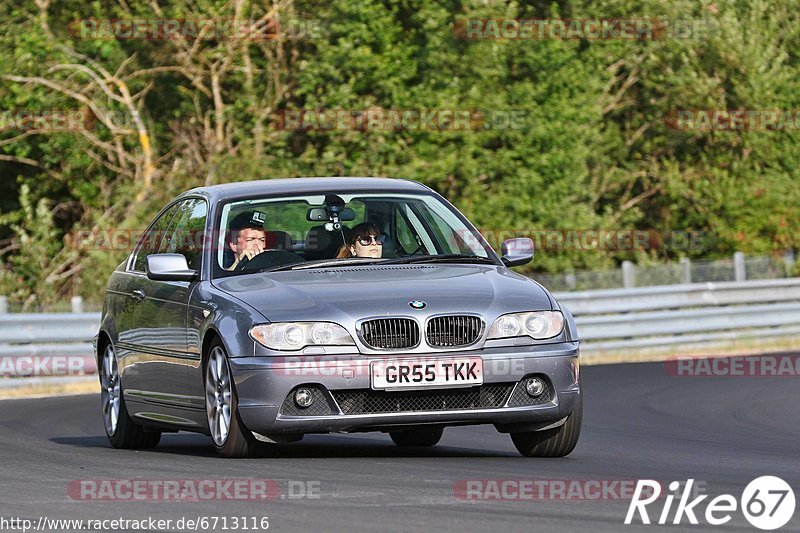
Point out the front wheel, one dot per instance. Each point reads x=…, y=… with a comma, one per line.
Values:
x=417, y=437
x=121, y=430
x=556, y=442
x=231, y=438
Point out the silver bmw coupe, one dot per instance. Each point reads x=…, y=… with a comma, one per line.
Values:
x=257, y=312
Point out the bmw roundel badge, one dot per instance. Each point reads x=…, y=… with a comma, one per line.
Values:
x=417, y=304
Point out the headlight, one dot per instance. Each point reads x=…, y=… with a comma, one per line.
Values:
x=538, y=324
x=297, y=335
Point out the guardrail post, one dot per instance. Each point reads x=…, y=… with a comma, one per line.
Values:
x=627, y=275
x=77, y=304
x=686, y=270
x=739, y=273
x=788, y=258
x=3, y=305
x=571, y=280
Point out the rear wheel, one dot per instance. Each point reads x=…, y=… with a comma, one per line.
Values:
x=121, y=430
x=556, y=442
x=417, y=437
x=231, y=438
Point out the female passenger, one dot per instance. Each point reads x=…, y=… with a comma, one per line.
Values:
x=364, y=241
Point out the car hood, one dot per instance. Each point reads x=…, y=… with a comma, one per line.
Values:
x=347, y=294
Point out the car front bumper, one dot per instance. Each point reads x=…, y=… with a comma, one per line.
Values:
x=263, y=385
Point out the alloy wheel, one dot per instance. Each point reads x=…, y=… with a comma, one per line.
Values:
x=110, y=390
x=218, y=396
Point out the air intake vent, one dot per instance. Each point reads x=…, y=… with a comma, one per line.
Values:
x=390, y=333
x=451, y=331
x=359, y=402
x=370, y=268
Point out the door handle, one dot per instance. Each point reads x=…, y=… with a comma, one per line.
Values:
x=138, y=295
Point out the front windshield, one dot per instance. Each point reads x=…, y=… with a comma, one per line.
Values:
x=334, y=229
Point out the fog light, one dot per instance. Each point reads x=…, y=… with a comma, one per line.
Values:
x=303, y=398
x=534, y=386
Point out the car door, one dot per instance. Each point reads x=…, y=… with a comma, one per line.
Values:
x=189, y=239
x=134, y=318
x=156, y=330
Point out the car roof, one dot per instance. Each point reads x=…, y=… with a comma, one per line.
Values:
x=276, y=186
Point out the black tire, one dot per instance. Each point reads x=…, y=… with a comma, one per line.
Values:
x=130, y=435
x=240, y=442
x=556, y=442
x=417, y=437
x=126, y=434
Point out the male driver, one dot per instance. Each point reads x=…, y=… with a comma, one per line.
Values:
x=247, y=236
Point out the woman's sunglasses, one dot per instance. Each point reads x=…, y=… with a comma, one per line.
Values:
x=366, y=241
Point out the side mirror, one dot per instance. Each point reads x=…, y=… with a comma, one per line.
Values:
x=169, y=267
x=516, y=252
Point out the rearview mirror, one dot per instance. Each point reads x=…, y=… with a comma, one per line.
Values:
x=516, y=252
x=169, y=267
x=317, y=214
x=320, y=214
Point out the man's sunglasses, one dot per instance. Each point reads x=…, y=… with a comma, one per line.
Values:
x=366, y=241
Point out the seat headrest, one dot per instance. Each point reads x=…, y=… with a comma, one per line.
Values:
x=323, y=244
x=279, y=240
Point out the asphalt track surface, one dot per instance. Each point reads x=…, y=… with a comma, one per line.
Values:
x=639, y=422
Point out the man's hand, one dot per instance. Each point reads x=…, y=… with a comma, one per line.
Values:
x=254, y=248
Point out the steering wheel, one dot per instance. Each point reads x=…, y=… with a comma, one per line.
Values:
x=267, y=259
x=243, y=262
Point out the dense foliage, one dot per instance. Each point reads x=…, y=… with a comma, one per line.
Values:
x=595, y=150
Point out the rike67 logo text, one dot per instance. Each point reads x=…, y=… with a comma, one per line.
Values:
x=767, y=502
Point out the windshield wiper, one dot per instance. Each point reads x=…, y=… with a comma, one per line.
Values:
x=322, y=263
x=443, y=258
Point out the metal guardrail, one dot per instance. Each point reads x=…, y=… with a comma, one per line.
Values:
x=629, y=275
x=48, y=328
x=668, y=316
x=614, y=320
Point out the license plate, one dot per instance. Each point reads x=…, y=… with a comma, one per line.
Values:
x=424, y=373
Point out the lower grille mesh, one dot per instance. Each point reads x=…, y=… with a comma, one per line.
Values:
x=368, y=401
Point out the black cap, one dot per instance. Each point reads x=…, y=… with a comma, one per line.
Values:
x=248, y=219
